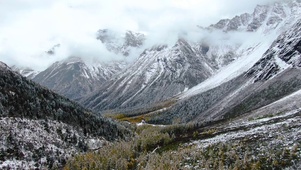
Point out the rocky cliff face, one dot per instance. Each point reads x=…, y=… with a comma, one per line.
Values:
x=285, y=52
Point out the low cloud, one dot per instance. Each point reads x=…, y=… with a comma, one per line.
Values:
x=28, y=28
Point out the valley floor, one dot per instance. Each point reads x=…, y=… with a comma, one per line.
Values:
x=248, y=142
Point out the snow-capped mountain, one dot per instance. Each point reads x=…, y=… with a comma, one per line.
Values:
x=284, y=53
x=242, y=89
x=259, y=77
x=159, y=73
x=74, y=77
x=186, y=69
x=226, y=89
x=264, y=17
x=40, y=129
x=163, y=72
x=259, y=44
x=26, y=72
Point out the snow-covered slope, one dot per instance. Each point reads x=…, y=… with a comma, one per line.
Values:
x=162, y=72
x=31, y=144
x=40, y=129
x=247, y=59
x=264, y=18
x=288, y=103
x=234, y=89
x=4, y=67
x=243, y=88
x=159, y=73
x=260, y=43
x=74, y=77
x=26, y=72
x=284, y=53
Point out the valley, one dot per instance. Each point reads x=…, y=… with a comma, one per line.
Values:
x=228, y=98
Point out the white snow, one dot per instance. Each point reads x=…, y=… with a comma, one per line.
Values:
x=140, y=124
x=2, y=65
x=95, y=143
x=50, y=137
x=243, y=122
x=144, y=123
x=17, y=164
x=229, y=72
x=185, y=89
x=33, y=74
x=85, y=74
x=237, y=135
x=252, y=49
x=263, y=129
x=283, y=65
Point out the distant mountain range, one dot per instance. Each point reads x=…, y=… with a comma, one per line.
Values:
x=164, y=72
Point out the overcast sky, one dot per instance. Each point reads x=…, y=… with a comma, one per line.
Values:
x=30, y=27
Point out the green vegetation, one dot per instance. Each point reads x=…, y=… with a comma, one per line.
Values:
x=124, y=155
x=209, y=132
x=163, y=148
x=36, y=102
x=265, y=116
x=142, y=113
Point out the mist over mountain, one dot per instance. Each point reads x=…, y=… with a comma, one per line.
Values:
x=65, y=23
x=180, y=85
x=224, y=51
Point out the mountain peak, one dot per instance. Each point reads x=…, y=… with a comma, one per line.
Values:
x=133, y=39
x=105, y=35
x=3, y=66
x=120, y=42
x=264, y=17
x=72, y=59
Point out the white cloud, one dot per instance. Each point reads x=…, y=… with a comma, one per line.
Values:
x=30, y=27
